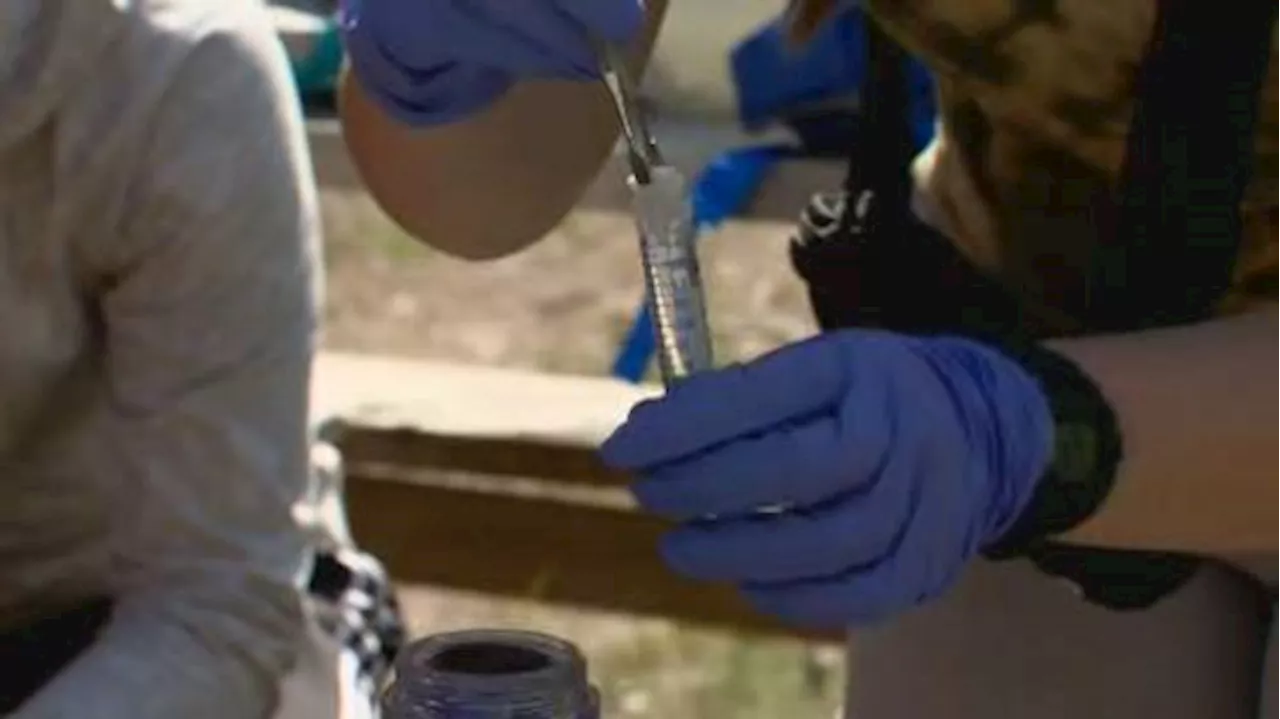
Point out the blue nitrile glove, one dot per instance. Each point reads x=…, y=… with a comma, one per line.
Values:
x=898, y=459
x=436, y=61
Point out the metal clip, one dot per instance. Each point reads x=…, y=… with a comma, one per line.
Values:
x=642, y=150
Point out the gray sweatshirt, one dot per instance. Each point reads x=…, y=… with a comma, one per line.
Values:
x=158, y=247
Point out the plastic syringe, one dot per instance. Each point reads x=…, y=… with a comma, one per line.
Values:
x=664, y=218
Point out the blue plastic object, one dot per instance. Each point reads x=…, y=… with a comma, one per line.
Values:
x=814, y=85
x=811, y=88
x=775, y=76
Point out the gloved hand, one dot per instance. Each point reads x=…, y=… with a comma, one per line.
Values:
x=897, y=459
x=435, y=61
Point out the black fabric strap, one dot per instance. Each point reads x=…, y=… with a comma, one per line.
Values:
x=1088, y=450
x=883, y=160
x=1169, y=258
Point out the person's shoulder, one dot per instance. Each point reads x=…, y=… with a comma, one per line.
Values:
x=215, y=40
x=214, y=120
x=165, y=61
x=187, y=23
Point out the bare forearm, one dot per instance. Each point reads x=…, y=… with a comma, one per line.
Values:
x=491, y=185
x=497, y=182
x=1197, y=409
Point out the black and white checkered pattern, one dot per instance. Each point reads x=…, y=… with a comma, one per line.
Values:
x=355, y=603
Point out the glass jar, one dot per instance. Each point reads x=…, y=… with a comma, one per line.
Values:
x=491, y=674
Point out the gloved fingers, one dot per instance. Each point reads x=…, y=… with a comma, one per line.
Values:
x=715, y=407
x=448, y=85
x=527, y=37
x=793, y=546
x=618, y=21
x=792, y=466
x=925, y=558
x=858, y=597
x=451, y=31
x=382, y=23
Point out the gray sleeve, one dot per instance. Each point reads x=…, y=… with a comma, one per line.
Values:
x=209, y=328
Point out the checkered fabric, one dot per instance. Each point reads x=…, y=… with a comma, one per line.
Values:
x=355, y=603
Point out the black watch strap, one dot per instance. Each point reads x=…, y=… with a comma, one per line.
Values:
x=1087, y=451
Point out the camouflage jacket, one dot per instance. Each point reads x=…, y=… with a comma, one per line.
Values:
x=1036, y=99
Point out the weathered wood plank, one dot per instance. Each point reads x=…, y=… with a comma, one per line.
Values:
x=538, y=550
x=329, y=158
x=483, y=420
x=470, y=402
x=406, y=447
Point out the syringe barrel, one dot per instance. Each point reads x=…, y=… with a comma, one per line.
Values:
x=673, y=281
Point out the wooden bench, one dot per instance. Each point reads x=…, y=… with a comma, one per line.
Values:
x=486, y=479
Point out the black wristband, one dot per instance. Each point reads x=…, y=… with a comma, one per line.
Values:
x=1087, y=451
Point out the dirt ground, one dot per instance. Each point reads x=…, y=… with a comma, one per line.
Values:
x=563, y=306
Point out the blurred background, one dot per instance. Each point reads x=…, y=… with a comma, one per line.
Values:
x=564, y=306
x=688, y=77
